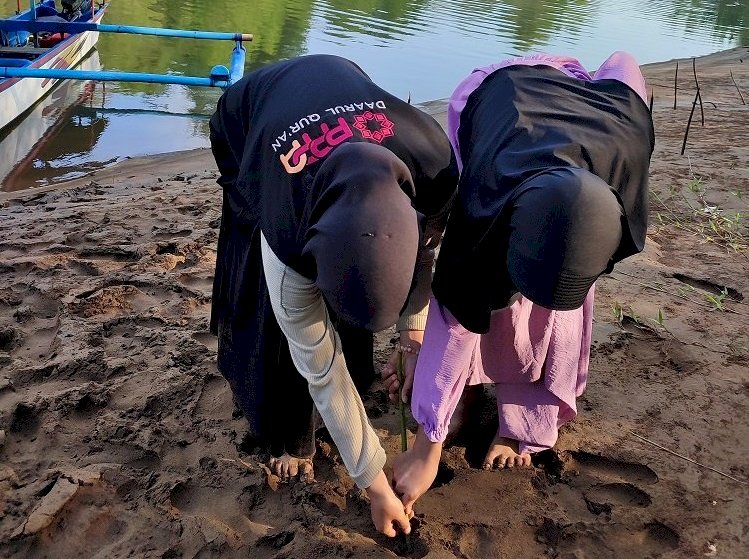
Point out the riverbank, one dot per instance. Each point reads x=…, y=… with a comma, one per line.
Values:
x=117, y=435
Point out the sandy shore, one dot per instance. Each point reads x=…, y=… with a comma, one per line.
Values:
x=118, y=436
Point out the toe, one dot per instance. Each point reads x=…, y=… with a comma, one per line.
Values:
x=499, y=462
x=278, y=467
x=491, y=458
x=293, y=467
x=306, y=472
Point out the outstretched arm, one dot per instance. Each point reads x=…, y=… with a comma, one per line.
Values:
x=315, y=348
x=442, y=371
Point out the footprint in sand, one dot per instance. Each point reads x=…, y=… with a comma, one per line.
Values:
x=171, y=232
x=83, y=267
x=618, y=494
x=710, y=287
x=208, y=340
x=115, y=298
x=36, y=322
x=202, y=282
x=602, y=466
x=613, y=520
x=582, y=540
x=25, y=420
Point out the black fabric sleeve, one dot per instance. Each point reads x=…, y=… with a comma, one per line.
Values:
x=226, y=159
x=442, y=190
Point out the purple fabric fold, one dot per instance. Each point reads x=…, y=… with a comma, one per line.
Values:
x=537, y=358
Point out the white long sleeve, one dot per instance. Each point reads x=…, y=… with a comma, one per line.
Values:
x=315, y=348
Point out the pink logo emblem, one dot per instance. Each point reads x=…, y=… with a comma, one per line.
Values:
x=384, y=126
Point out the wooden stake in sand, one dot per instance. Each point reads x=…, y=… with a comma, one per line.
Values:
x=689, y=123
x=699, y=95
x=737, y=87
x=676, y=75
x=688, y=459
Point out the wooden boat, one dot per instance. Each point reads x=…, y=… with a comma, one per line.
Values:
x=42, y=50
x=40, y=46
x=28, y=140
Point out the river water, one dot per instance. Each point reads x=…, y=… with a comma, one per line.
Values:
x=416, y=48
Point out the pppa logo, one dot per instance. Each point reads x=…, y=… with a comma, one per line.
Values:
x=371, y=126
x=312, y=150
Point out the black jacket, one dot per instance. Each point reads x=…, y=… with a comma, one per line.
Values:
x=520, y=121
x=270, y=135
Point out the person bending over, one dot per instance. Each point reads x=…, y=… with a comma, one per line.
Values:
x=335, y=194
x=553, y=192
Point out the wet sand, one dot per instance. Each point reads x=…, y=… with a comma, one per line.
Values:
x=118, y=436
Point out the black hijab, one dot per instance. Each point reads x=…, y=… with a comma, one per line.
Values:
x=361, y=234
x=520, y=122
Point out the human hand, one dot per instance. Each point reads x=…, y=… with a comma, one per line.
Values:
x=387, y=510
x=414, y=471
x=411, y=339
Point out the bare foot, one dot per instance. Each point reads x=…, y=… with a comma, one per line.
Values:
x=503, y=453
x=288, y=467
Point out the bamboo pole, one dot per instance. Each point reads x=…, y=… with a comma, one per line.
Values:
x=81, y=26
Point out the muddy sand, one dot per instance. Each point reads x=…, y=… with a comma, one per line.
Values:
x=118, y=436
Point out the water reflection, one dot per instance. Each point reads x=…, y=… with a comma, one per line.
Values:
x=280, y=30
x=380, y=21
x=416, y=48
x=28, y=148
x=529, y=24
x=725, y=21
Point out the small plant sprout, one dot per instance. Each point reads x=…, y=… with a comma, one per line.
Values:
x=660, y=321
x=634, y=316
x=618, y=312
x=695, y=185
x=704, y=220
x=717, y=300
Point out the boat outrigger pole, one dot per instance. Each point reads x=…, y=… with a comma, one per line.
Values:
x=220, y=76
x=80, y=26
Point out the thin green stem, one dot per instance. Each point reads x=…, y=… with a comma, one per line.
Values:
x=401, y=404
x=404, y=434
